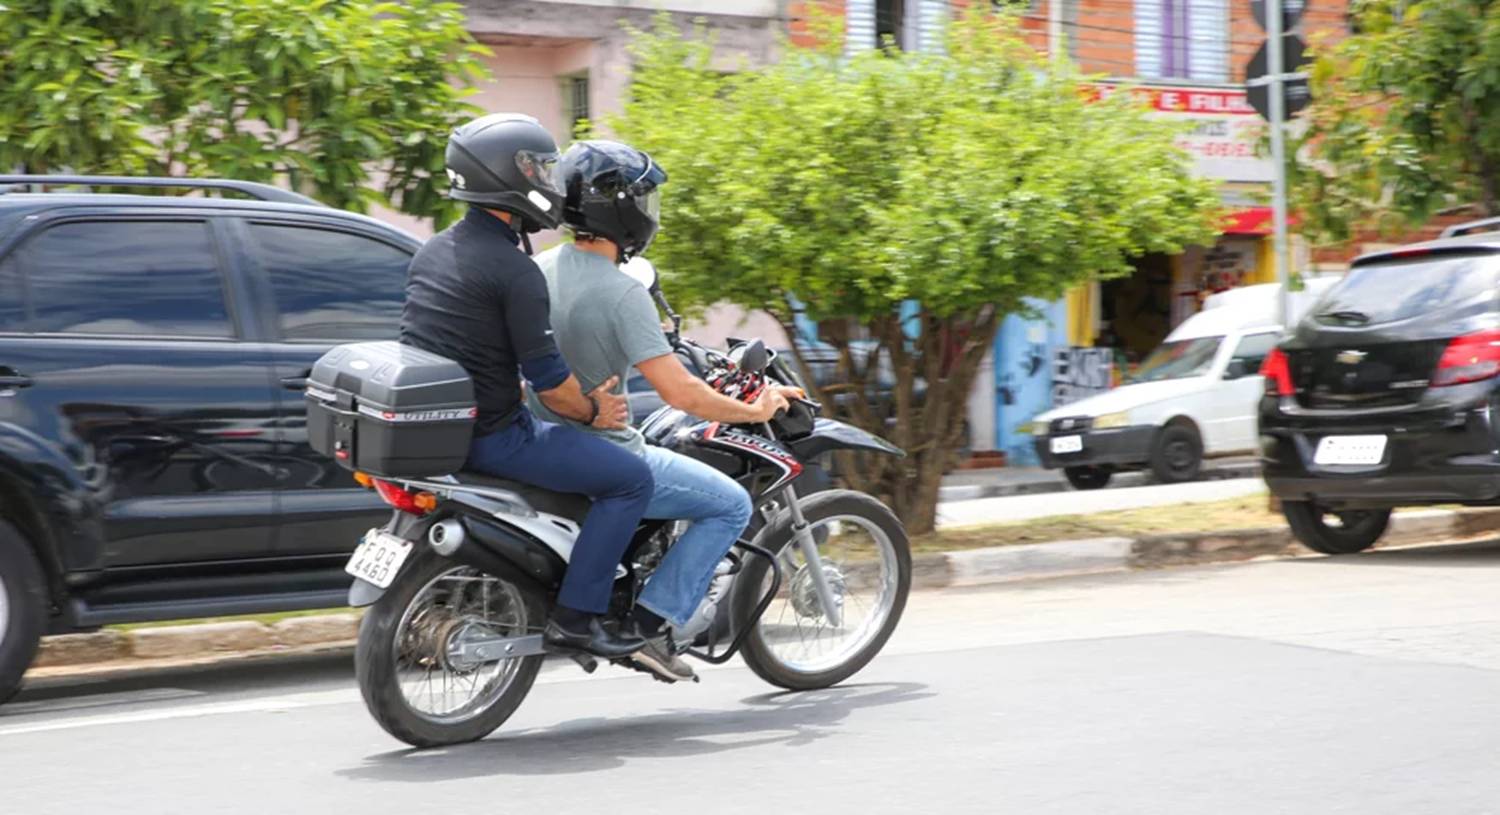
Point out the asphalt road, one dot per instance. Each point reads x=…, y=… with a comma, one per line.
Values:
x=1368, y=684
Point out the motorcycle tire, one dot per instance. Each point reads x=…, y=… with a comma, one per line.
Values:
x=375, y=662
x=759, y=654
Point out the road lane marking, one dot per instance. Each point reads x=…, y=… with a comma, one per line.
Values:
x=92, y=700
x=268, y=704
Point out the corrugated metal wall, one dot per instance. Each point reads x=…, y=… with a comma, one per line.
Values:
x=859, y=25
x=933, y=16
x=1208, y=26
x=1148, y=39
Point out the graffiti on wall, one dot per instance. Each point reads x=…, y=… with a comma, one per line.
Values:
x=1078, y=373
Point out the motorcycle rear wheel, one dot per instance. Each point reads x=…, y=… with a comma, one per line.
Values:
x=412, y=689
x=865, y=552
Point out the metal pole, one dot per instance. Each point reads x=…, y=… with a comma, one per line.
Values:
x=1278, y=155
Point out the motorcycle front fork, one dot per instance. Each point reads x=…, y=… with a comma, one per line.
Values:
x=802, y=536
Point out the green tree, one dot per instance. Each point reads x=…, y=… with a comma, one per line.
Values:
x=907, y=203
x=1405, y=119
x=348, y=101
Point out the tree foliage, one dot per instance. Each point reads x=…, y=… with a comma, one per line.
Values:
x=1405, y=118
x=906, y=202
x=348, y=101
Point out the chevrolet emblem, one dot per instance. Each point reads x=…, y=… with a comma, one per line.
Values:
x=1351, y=357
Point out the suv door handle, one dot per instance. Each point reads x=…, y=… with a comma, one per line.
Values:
x=296, y=383
x=13, y=381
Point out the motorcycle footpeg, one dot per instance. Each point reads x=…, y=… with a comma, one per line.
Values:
x=585, y=661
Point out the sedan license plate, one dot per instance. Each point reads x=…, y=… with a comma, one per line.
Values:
x=1350, y=450
x=378, y=558
x=1067, y=444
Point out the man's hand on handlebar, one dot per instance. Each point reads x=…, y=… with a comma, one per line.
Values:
x=614, y=409
x=771, y=401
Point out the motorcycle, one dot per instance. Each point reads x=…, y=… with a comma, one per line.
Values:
x=458, y=583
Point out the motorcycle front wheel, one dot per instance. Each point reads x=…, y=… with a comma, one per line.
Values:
x=866, y=561
x=412, y=685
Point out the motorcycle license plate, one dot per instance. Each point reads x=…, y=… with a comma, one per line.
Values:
x=1367, y=450
x=1067, y=444
x=378, y=558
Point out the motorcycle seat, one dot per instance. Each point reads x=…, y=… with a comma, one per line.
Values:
x=562, y=504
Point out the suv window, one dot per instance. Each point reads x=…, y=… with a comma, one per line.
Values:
x=1252, y=349
x=1387, y=292
x=148, y=278
x=11, y=309
x=332, y=285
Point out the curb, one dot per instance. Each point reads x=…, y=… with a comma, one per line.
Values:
x=111, y=652
x=974, y=492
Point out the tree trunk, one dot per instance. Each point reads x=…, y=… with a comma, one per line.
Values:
x=945, y=355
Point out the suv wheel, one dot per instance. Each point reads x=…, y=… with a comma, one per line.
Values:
x=1088, y=478
x=23, y=608
x=1177, y=455
x=1335, y=533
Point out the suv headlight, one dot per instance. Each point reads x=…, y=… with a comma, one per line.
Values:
x=1037, y=428
x=1112, y=421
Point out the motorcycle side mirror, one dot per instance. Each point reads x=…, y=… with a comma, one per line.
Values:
x=642, y=271
x=754, y=358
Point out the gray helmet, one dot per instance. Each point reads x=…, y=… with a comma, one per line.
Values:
x=507, y=161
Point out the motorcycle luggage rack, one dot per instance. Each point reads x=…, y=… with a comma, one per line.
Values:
x=760, y=608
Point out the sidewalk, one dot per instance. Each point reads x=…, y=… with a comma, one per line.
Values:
x=968, y=485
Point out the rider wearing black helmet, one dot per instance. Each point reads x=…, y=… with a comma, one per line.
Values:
x=475, y=297
x=606, y=323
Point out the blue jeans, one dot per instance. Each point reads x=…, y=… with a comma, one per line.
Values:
x=560, y=458
x=719, y=509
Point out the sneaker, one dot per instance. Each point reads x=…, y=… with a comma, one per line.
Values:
x=657, y=656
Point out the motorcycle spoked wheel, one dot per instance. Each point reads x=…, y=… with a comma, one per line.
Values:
x=411, y=688
x=867, y=561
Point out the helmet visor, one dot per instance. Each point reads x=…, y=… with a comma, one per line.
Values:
x=650, y=204
x=540, y=169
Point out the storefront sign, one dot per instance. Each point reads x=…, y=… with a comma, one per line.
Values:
x=1225, y=129
x=1078, y=373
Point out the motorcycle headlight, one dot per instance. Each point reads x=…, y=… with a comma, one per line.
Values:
x=1112, y=421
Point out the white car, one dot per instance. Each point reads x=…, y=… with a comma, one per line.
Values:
x=1196, y=395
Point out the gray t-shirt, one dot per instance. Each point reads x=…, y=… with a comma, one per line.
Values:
x=604, y=323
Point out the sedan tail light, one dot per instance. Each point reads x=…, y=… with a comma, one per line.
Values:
x=414, y=503
x=1470, y=358
x=1278, y=373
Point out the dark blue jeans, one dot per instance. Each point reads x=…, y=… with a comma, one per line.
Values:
x=560, y=458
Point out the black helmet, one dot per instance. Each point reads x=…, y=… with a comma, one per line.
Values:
x=507, y=161
x=612, y=192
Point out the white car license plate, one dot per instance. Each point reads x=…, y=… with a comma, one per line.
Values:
x=1067, y=444
x=1350, y=450
x=378, y=558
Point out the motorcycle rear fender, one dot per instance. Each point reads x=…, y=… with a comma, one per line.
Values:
x=829, y=434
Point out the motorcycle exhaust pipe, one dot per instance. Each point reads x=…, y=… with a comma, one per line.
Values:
x=447, y=537
x=494, y=549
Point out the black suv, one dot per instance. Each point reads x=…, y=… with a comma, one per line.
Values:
x=153, y=453
x=1387, y=393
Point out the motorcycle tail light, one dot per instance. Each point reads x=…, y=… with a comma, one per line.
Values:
x=412, y=503
x=1470, y=358
x=1278, y=373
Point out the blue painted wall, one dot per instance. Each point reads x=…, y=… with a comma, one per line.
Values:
x=1023, y=376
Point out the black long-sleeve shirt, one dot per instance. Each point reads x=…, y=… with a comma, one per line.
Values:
x=473, y=296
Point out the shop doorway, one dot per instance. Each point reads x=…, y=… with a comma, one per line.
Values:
x=1136, y=312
